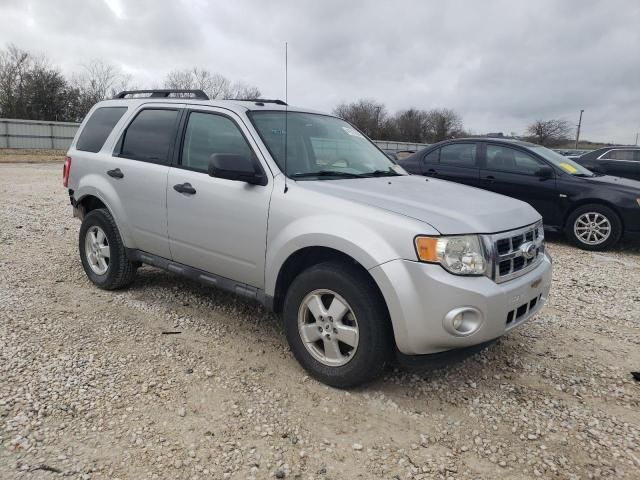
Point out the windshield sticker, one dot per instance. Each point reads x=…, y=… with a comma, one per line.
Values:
x=567, y=167
x=352, y=132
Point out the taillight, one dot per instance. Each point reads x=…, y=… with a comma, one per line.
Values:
x=66, y=169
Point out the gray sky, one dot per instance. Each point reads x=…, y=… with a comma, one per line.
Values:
x=500, y=64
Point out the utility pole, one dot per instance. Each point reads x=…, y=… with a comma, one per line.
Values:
x=637, y=139
x=578, y=131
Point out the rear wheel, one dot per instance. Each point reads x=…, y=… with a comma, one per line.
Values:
x=102, y=252
x=337, y=325
x=594, y=227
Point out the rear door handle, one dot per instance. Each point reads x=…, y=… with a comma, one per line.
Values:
x=185, y=188
x=489, y=178
x=431, y=172
x=115, y=173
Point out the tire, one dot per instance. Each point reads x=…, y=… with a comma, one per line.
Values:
x=367, y=313
x=585, y=217
x=119, y=271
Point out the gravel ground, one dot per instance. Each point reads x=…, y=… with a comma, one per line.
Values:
x=92, y=387
x=30, y=155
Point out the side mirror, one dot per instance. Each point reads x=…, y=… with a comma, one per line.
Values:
x=233, y=166
x=545, y=173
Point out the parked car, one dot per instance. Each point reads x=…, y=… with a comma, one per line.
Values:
x=593, y=210
x=618, y=161
x=362, y=260
x=391, y=154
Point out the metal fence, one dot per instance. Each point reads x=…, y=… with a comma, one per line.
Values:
x=36, y=134
x=400, y=146
x=16, y=133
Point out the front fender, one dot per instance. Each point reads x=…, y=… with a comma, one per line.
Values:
x=357, y=240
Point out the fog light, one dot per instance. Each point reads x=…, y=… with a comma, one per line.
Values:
x=463, y=321
x=457, y=321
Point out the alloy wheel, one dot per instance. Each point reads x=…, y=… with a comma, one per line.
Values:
x=328, y=328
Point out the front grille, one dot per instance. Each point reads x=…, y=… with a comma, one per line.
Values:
x=516, y=252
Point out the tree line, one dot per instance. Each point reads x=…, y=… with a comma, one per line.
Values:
x=412, y=125
x=32, y=88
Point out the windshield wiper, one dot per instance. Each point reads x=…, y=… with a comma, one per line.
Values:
x=325, y=173
x=381, y=173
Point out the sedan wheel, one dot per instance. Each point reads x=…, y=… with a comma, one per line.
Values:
x=592, y=228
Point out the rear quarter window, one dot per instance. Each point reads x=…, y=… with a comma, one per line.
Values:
x=98, y=128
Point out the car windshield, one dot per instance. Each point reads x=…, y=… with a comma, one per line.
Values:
x=566, y=164
x=320, y=147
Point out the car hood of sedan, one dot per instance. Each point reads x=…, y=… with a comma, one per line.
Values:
x=450, y=208
x=626, y=183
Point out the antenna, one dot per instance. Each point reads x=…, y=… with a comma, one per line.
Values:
x=286, y=113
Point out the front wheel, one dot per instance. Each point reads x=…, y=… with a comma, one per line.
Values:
x=337, y=324
x=594, y=227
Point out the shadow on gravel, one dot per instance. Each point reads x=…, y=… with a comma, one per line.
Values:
x=458, y=367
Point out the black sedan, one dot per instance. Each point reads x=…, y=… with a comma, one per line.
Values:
x=594, y=210
x=618, y=161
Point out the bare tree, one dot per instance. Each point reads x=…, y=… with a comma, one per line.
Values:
x=214, y=85
x=549, y=132
x=242, y=91
x=98, y=81
x=442, y=124
x=14, y=66
x=368, y=115
x=411, y=125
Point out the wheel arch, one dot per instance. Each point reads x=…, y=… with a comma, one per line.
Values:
x=306, y=257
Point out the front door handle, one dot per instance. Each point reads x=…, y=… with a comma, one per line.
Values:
x=431, y=172
x=115, y=173
x=185, y=188
x=489, y=178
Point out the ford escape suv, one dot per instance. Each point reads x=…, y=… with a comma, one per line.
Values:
x=301, y=212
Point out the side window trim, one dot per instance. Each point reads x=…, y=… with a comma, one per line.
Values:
x=184, y=122
x=117, y=150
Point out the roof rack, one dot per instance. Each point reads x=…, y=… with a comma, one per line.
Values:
x=259, y=101
x=164, y=93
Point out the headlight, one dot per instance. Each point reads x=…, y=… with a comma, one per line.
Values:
x=462, y=254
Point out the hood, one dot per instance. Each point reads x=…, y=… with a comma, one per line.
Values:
x=450, y=208
x=625, y=184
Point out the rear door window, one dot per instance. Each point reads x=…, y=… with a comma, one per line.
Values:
x=459, y=155
x=98, y=128
x=150, y=136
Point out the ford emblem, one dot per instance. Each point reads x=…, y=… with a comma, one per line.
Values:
x=528, y=250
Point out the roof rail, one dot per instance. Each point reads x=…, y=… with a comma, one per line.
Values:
x=164, y=93
x=261, y=100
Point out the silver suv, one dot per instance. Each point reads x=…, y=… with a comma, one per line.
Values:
x=301, y=212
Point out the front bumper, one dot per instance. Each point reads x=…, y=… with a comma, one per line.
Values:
x=419, y=297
